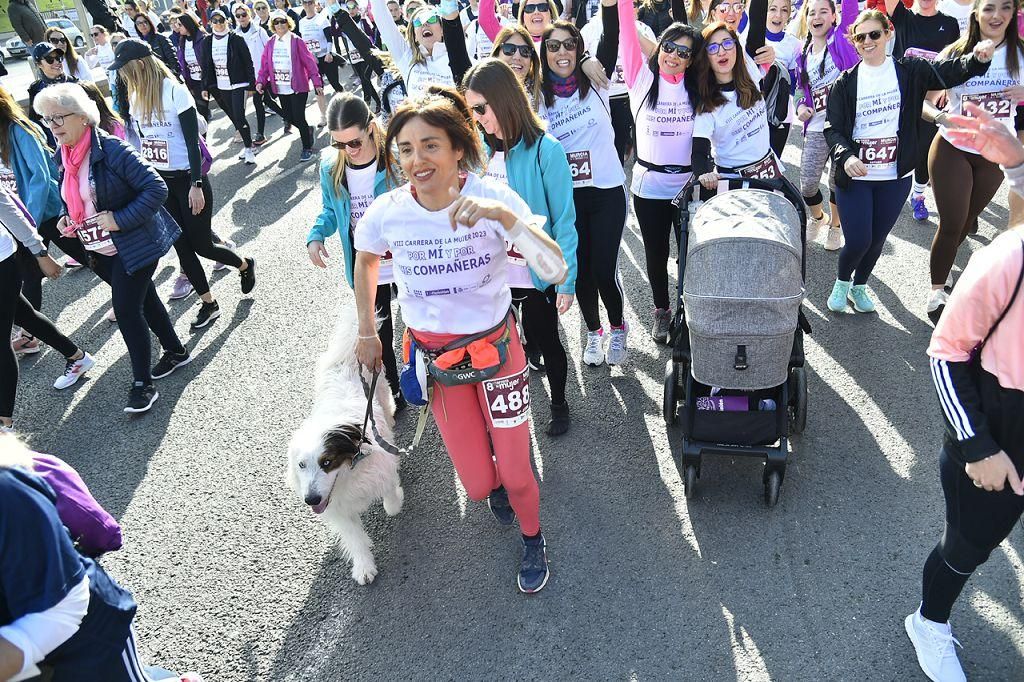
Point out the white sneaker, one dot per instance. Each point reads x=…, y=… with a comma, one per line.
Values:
x=949, y=280
x=617, y=345
x=248, y=157
x=74, y=371
x=593, y=354
x=933, y=643
x=834, y=240
x=937, y=299
x=814, y=227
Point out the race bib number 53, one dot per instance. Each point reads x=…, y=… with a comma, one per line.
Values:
x=878, y=151
x=580, y=168
x=508, y=399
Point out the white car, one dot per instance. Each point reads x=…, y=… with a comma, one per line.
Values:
x=16, y=48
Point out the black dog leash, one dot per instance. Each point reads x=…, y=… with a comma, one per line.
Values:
x=368, y=419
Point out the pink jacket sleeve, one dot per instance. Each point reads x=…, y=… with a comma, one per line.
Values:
x=489, y=18
x=629, y=44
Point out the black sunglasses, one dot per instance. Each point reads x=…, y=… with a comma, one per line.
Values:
x=684, y=52
x=874, y=35
x=351, y=144
x=538, y=7
x=241, y=16
x=56, y=40
x=218, y=20
x=509, y=49
x=54, y=57
x=275, y=22
x=479, y=109
x=96, y=35
x=553, y=45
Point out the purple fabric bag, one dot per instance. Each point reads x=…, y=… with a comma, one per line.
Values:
x=92, y=528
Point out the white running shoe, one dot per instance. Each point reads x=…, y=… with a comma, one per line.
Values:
x=593, y=354
x=814, y=227
x=248, y=157
x=937, y=299
x=834, y=240
x=74, y=371
x=934, y=644
x=617, y=345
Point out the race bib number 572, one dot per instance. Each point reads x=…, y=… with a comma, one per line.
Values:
x=508, y=399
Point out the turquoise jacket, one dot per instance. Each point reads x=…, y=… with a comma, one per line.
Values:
x=337, y=213
x=35, y=173
x=540, y=175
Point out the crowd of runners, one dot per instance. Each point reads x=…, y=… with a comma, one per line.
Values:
x=473, y=171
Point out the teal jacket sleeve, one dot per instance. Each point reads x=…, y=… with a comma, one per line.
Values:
x=35, y=175
x=327, y=222
x=557, y=181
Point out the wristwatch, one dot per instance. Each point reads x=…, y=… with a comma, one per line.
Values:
x=42, y=253
x=198, y=183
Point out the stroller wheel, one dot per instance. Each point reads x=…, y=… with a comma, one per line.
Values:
x=670, y=403
x=689, y=481
x=771, y=488
x=798, y=400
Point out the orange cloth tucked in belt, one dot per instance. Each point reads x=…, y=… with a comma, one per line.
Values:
x=482, y=354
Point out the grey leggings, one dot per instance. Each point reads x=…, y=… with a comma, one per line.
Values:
x=812, y=165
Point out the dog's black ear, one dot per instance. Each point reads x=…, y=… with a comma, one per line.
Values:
x=341, y=444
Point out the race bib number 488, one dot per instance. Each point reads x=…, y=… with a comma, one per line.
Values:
x=508, y=399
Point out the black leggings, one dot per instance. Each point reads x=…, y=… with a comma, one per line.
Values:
x=329, y=70
x=657, y=218
x=977, y=520
x=16, y=310
x=202, y=105
x=293, y=110
x=622, y=124
x=382, y=310
x=600, y=219
x=196, y=231
x=262, y=103
x=233, y=104
x=778, y=136
x=370, y=95
x=139, y=311
x=540, y=324
x=32, y=276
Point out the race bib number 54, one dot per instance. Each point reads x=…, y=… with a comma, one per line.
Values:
x=508, y=399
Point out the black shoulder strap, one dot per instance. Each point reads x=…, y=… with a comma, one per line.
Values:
x=1013, y=297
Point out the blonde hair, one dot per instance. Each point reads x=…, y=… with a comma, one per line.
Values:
x=144, y=79
x=410, y=33
x=345, y=110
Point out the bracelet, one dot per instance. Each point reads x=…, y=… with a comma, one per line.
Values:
x=366, y=338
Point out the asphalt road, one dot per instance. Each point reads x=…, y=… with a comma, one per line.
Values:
x=236, y=579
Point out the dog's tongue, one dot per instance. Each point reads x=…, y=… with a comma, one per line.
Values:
x=319, y=508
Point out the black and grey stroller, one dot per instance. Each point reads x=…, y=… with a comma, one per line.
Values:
x=737, y=336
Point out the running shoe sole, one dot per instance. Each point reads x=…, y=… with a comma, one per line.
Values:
x=172, y=369
x=207, y=321
x=139, y=410
x=909, y=627
x=29, y=350
x=547, y=575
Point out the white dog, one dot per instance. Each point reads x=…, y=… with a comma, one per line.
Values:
x=321, y=451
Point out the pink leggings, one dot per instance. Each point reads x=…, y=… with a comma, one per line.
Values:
x=464, y=417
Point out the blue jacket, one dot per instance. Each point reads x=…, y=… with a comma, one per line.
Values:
x=540, y=175
x=132, y=190
x=337, y=213
x=35, y=174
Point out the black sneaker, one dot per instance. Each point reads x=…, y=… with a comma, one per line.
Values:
x=141, y=398
x=500, y=507
x=533, y=358
x=560, y=419
x=169, y=362
x=248, y=276
x=208, y=312
x=533, y=571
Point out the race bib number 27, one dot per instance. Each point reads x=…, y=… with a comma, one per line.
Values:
x=508, y=399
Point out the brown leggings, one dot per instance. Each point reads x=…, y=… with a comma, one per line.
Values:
x=964, y=184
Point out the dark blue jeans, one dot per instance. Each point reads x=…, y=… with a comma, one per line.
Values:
x=868, y=210
x=139, y=311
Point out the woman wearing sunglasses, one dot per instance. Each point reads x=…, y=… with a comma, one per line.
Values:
x=49, y=60
x=514, y=46
x=826, y=53
x=315, y=29
x=534, y=165
x=732, y=13
x=963, y=181
x=168, y=129
x=484, y=423
x=419, y=52
x=262, y=10
x=578, y=115
x=349, y=183
x=660, y=99
x=535, y=15
x=227, y=74
x=286, y=7
x=286, y=70
x=102, y=55
x=190, y=46
x=731, y=135
x=73, y=64
x=480, y=44
x=256, y=39
x=874, y=110
x=161, y=45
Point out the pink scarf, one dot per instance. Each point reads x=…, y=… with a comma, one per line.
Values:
x=72, y=158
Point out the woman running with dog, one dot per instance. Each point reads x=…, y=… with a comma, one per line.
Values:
x=827, y=52
x=533, y=164
x=446, y=230
x=874, y=110
x=349, y=183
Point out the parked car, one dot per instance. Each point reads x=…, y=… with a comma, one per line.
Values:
x=17, y=50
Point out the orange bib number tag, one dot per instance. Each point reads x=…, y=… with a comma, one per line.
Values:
x=92, y=236
x=155, y=151
x=991, y=103
x=765, y=169
x=879, y=151
x=580, y=168
x=9, y=183
x=819, y=98
x=508, y=399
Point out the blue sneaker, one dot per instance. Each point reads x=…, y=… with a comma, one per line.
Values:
x=307, y=155
x=500, y=507
x=860, y=299
x=920, y=210
x=837, y=299
x=533, y=571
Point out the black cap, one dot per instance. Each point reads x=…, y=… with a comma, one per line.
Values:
x=128, y=50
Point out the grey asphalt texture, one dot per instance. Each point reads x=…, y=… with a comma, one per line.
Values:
x=236, y=579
